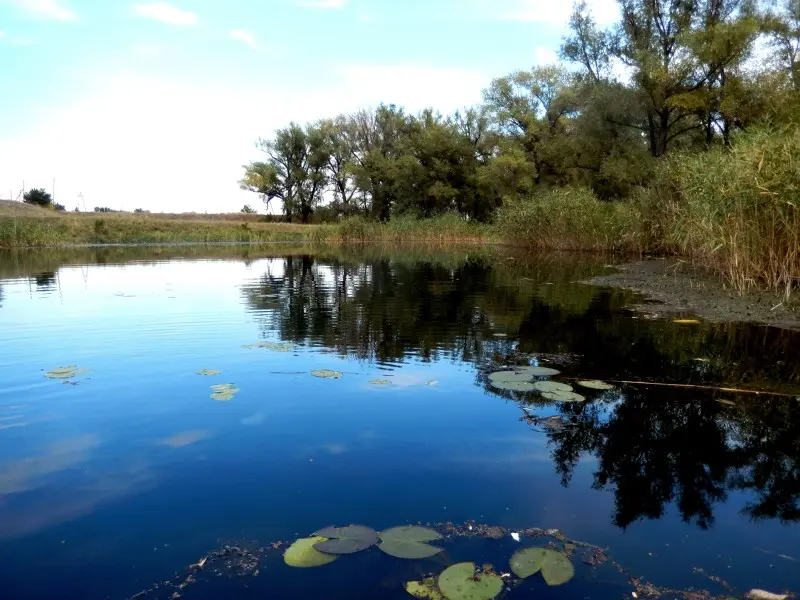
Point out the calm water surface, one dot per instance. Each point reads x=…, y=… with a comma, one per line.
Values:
x=131, y=472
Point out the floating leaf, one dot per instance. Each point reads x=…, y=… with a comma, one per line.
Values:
x=509, y=377
x=346, y=540
x=536, y=371
x=65, y=372
x=223, y=392
x=303, y=554
x=424, y=589
x=527, y=561
x=209, y=372
x=551, y=386
x=595, y=384
x=326, y=374
x=409, y=542
x=686, y=321
x=563, y=396
x=557, y=569
x=461, y=582
x=380, y=382
x=277, y=347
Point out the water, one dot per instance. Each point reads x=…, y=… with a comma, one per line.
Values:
x=133, y=472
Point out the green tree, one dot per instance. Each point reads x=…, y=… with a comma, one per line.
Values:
x=38, y=197
x=248, y=210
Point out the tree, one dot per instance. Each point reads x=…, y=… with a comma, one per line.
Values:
x=38, y=197
x=248, y=210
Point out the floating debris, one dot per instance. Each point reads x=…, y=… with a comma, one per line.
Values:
x=65, y=372
x=209, y=372
x=224, y=392
x=346, y=540
x=303, y=554
x=764, y=595
x=327, y=374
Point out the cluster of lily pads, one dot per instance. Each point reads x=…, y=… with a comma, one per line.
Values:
x=534, y=379
x=461, y=581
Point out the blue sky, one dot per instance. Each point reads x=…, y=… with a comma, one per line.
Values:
x=158, y=104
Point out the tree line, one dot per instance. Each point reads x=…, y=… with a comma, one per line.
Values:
x=670, y=75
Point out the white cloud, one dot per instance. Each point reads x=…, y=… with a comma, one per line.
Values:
x=244, y=36
x=147, y=50
x=366, y=18
x=186, y=139
x=544, y=56
x=543, y=12
x=47, y=9
x=322, y=3
x=166, y=13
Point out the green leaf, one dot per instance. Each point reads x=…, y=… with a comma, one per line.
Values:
x=223, y=392
x=563, y=396
x=537, y=371
x=462, y=582
x=65, y=372
x=527, y=561
x=346, y=540
x=303, y=554
x=557, y=569
x=594, y=384
x=408, y=541
x=551, y=386
x=326, y=374
x=209, y=372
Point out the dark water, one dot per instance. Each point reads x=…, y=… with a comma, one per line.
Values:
x=124, y=479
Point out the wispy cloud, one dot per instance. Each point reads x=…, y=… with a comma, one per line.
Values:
x=147, y=50
x=47, y=9
x=166, y=13
x=244, y=36
x=543, y=12
x=322, y=3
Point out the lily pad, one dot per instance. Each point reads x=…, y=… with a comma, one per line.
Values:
x=65, y=372
x=551, y=386
x=326, y=374
x=537, y=371
x=528, y=561
x=408, y=541
x=346, y=540
x=303, y=554
x=509, y=376
x=424, y=589
x=563, y=396
x=277, y=347
x=462, y=582
x=223, y=392
x=595, y=384
x=209, y=372
x=556, y=568
x=380, y=382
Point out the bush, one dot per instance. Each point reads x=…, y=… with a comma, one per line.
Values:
x=737, y=210
x=571, y=218
x=38, y=197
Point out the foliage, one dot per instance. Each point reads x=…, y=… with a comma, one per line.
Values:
x=38, y=197
x=248, y=210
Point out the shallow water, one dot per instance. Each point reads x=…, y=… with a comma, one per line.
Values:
x=125, y=475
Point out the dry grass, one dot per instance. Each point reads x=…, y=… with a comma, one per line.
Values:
x=9, y=208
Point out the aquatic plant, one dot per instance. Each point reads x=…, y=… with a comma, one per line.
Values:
x=462, y=581
x=346, y=540
x=594, y=384
x=65, y=372
x=551, y=386
x=425, y=589
x=380, y=382
x=326, y=374
x=224, y=391
x=409, y=541
x=209, y=372
x=560, y=396
x=555, y=567
x=303, y=554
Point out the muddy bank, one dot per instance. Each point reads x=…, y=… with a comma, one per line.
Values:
x=676, y=288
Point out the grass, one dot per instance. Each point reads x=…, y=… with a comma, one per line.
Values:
x=572, y=219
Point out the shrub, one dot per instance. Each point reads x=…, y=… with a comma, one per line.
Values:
x=38, y=197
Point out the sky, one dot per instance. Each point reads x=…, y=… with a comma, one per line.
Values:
x=157, y=105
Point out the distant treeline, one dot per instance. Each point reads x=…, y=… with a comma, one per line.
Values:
x=671, y=76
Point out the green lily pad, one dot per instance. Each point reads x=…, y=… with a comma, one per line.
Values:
x=509, y=376
x=380, y=382
x=223, y=392
x=346, y=540
x=209, y=372
x=551, y=386
x=326, y=374
x=409, y=542
x=461, y=582
x=65, y=372
x=563, y=396
x=527, y=561
x=594, y=384
x=277, y=347
x=303, y=554
x=537, y=371
x=425, y=589
x=556, y=568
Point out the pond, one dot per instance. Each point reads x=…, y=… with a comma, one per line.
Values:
x=171, y=419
